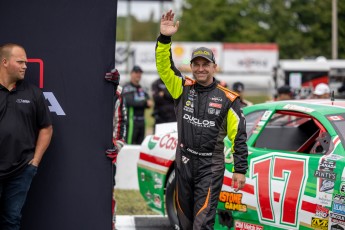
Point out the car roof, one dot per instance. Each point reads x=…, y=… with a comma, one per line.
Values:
x=324, y=106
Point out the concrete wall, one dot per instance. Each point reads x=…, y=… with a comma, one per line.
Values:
x=126, y=172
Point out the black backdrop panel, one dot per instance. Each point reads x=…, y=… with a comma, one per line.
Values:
x=70, y=44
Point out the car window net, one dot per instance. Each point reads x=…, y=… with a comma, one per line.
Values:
x=289, y=132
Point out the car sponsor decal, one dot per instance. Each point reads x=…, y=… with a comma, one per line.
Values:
x=325, y=175
x=157, y=201
x=343, y=175
x=145, y=177
x=326, y=186
x=232, y=201
x=158, y=184
x=324, y=199
x=291, y=173
x=337, y=218
x=239, y=225
x=153, y=142
x=335, y=118
x=319, y=223
x=327, y=165
x=266, y=115
x=338, y=208
x=340, y=199
x=298, y=108
x=321, y=211
x=337, y=227
x=342, y=188
x=167, y=142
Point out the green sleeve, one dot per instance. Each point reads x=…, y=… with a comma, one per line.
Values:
x=171, y=77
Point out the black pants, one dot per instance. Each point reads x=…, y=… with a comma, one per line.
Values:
x=198, y=184
x=135, y=132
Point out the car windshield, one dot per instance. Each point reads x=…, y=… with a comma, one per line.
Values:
x=338, y=122
x=252, y=120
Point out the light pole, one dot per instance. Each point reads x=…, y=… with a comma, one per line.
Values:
x=334, y=29
x=128, y=34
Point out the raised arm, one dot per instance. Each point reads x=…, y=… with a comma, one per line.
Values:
x=168, y=27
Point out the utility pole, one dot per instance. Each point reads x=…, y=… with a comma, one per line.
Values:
x=334, y=29
x=128, y=34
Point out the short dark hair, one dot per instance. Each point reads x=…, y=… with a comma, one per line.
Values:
x=137, y=69
x=5, y=49
x=285, y=89
x=238, y=86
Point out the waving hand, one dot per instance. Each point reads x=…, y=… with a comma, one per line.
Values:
x=168, y=27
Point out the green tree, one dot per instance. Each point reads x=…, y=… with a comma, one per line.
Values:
x=140, y=30
x=301, y=28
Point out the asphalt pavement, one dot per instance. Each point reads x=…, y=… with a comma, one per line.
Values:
x=145, y=222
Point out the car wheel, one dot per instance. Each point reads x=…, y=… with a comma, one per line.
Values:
x=170, y=201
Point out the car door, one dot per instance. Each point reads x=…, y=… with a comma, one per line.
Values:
x=289, y=181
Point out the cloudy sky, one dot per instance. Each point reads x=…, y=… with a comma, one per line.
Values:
x=143, y=9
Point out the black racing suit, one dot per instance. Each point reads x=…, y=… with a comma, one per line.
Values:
x=164, y=110
x=205, y=115
x=136, y=102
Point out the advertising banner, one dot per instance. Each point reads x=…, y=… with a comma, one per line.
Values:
x=70, y=46
x=250, y=58
x=143, y=54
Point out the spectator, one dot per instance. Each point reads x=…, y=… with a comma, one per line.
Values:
x=223, y=83
x=341, y=89
x=25, y=134
x=321, y=91
x=238, y=87
x=119, y=131
x=284, y=93
x=164, y=104
x=136, y=100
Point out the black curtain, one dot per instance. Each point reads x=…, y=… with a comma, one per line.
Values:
x=71, y=45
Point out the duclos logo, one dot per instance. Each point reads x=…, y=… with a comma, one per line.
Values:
x=197, y=122
x=54, y=107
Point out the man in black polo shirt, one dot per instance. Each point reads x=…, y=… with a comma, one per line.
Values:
x=25, y=133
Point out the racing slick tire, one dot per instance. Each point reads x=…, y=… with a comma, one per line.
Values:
x=170, y=201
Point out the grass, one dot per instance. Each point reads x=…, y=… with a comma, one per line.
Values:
x=130, y=202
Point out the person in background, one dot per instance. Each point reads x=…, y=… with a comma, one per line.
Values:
x=164, y=103
x=238, y=87
x=341, y=89
x=137, y=100
x=284, y=93
x=25, y=133
x=206, y=113
x=119, y=131
x=321, y=91
x=223, y=83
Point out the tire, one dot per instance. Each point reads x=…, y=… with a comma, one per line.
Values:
x=170, y=201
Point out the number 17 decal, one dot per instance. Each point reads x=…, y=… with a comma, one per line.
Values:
x=280, y=183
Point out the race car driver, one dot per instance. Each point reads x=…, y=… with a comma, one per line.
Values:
x=206, y=112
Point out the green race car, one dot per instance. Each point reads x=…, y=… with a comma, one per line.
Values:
x=296, y=175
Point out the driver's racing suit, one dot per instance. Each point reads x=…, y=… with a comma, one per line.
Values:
x=205, y=115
